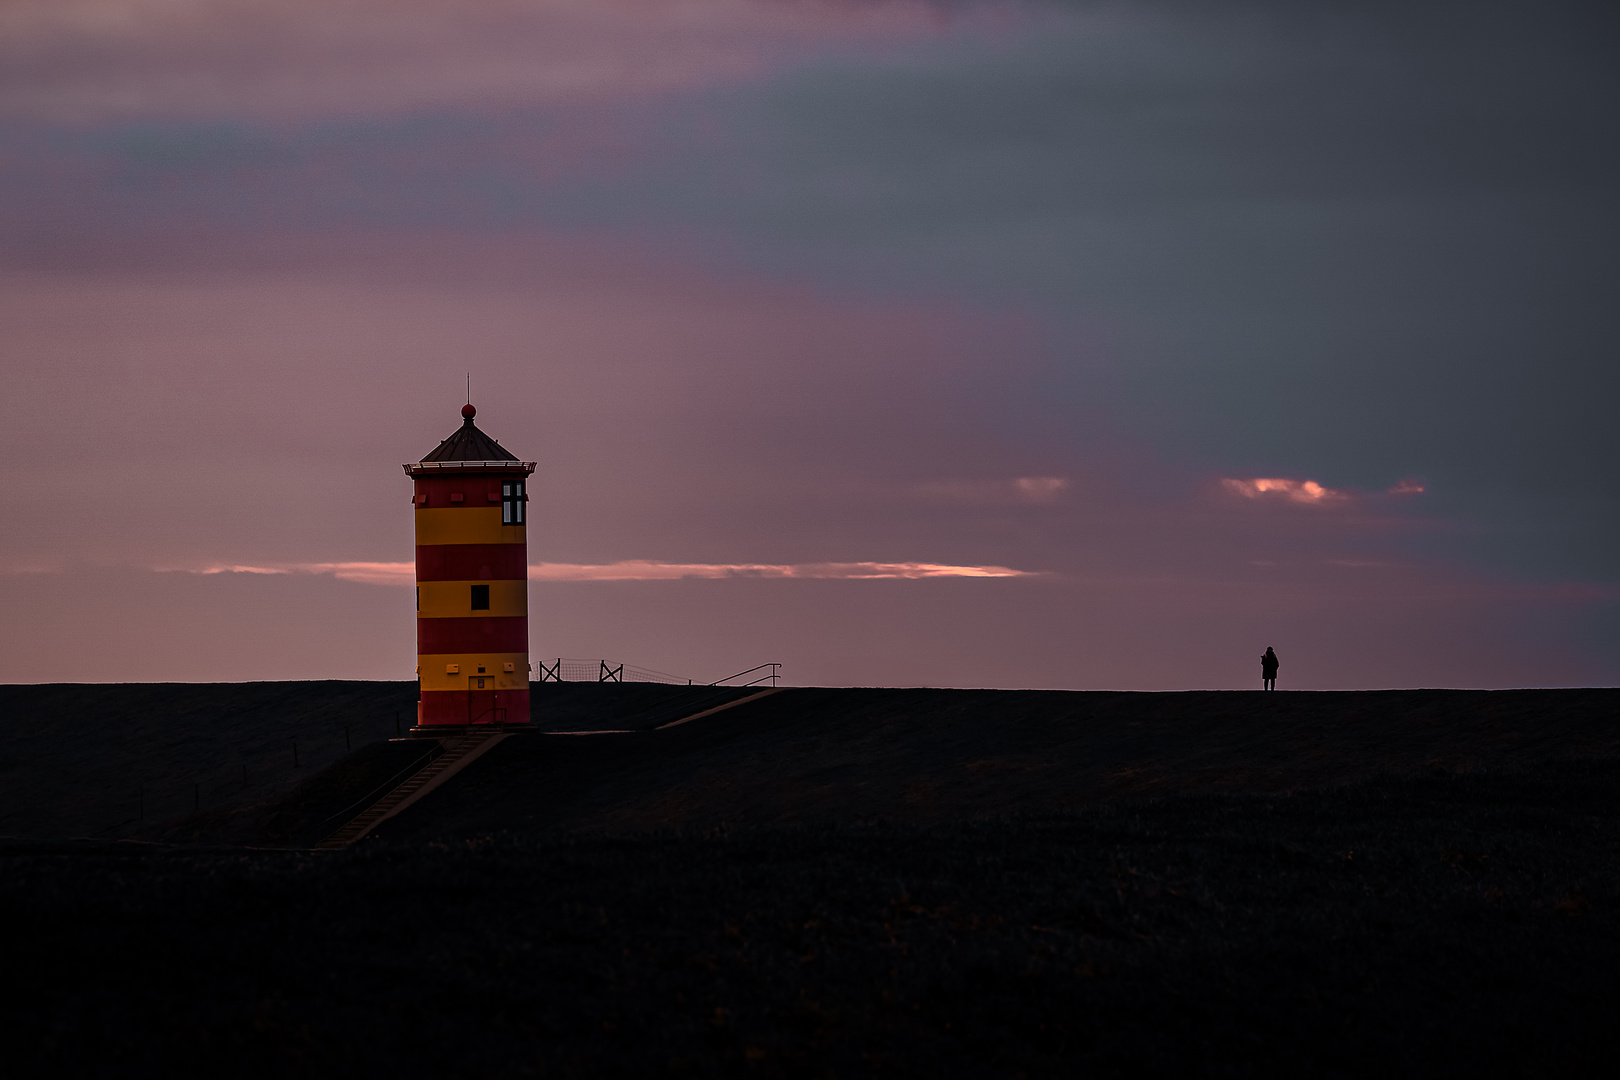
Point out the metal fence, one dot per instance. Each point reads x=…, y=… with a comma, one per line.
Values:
x=564, y=669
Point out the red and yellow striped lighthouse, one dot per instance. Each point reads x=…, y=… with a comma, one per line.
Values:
x=472, y=569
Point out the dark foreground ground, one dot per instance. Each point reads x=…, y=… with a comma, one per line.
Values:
x=111, y=759
x=907, y=883
x=925, y=756
x=127, y=761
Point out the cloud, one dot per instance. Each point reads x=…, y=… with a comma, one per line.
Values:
x=370, y=573
x=1025, y=489
x=1308, y=492
x=1041, y=488
x=404, y=573
x=639, y=570
x=78, y=60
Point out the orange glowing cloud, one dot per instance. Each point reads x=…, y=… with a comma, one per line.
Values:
x=1308, y=492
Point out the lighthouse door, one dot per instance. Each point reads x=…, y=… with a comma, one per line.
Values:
x=483, y=706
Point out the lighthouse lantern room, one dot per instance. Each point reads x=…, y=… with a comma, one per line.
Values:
x=472, y=601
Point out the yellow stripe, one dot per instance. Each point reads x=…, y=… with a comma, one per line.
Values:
x=453, y=599
x=432, y=669
x=472, y=525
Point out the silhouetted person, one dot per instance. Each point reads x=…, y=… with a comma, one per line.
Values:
x=1268, y=668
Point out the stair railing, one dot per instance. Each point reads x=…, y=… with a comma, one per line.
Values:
x=774, y=673
x=390, y=784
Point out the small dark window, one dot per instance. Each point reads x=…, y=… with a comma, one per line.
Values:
x=480, y=597
x=512, y=499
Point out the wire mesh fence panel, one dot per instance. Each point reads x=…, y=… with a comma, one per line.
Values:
x=638, y=674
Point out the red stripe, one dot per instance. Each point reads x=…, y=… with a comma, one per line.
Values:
x=472, y=562
x=474, y=489
x=477, y=706
x=509, y=634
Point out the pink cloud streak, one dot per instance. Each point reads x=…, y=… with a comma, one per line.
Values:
x=1305, y=492
x=404, y=573
x=637, y=570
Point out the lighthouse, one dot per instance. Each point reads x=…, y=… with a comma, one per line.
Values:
x=472, y=568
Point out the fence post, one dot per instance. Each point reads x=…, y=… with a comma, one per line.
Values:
x=396, y=722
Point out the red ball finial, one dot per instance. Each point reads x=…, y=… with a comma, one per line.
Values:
x=468, y=411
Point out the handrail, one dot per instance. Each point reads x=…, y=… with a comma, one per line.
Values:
x=775, y=669
x=409, y=770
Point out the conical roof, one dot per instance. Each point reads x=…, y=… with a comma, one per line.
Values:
x=467, y=443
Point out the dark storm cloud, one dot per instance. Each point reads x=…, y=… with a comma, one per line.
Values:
x=1359, y=242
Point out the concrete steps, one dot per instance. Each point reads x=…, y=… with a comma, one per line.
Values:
x=458, y=754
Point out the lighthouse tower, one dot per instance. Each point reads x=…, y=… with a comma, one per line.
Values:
x=472, y=600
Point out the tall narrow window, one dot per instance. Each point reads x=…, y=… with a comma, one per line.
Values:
x=480, y=597
x=512, y=502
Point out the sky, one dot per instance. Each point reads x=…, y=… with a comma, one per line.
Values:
x=1019, y=344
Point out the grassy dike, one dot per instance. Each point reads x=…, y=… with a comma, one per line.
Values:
x=1423, y=884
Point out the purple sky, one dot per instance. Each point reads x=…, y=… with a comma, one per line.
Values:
x=1035, y=344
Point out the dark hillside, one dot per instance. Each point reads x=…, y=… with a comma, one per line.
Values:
x=314, y=809
x=81, y=759
x=585, y=706
x=134, y=760
x=913, y=883
x=808, y=754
